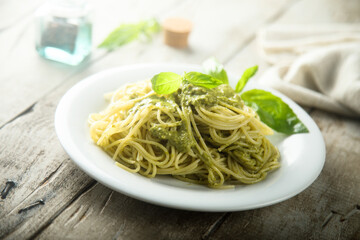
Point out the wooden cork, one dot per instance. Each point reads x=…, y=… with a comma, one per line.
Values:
x=176, y=32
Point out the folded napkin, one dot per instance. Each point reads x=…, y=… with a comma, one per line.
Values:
x=315, y=66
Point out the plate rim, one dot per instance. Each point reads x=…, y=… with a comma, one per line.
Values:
x=98, y=175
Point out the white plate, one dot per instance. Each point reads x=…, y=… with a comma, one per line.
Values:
x=302, y=155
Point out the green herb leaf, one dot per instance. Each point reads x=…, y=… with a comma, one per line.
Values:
x=273, y=111
x=202, y=80
x=245, y=78
x=166, y=82
x=126, y=33
x=215, y=69
x=150, y=27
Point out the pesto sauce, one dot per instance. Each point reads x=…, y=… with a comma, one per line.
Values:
x=179, y=138
x=188, y=95
x=157, y=101
x=201, y=96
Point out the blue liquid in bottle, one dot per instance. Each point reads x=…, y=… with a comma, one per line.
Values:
x=63, y=34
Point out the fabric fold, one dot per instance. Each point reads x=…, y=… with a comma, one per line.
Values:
x=325, y=76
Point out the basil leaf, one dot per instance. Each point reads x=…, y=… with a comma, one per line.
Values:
x=245, y=78
x=273, y=111
x=150, y=27
x=126, y=33
x=215, y=69
x=202, y=80
x=166, y=82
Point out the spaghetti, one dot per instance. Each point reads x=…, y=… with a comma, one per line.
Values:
x=198, y=135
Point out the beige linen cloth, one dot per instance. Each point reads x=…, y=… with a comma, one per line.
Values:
x=316, y=66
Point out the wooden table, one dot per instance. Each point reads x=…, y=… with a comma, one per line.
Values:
x=71, y=205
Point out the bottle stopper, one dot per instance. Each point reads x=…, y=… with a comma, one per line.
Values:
x=176, y=32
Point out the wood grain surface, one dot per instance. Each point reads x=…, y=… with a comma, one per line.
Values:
x=53, y=199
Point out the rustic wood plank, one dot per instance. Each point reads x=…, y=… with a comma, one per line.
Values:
x=36, y=162
x=115, y=216
x=33, y=158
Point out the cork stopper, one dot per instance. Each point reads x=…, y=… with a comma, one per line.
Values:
x=176, y=32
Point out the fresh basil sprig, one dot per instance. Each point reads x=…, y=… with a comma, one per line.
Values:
x=250, y=72
x=215, y=69
x=273, y=111
x=129, y=32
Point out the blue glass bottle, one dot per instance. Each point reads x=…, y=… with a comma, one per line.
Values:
x=63, y=31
